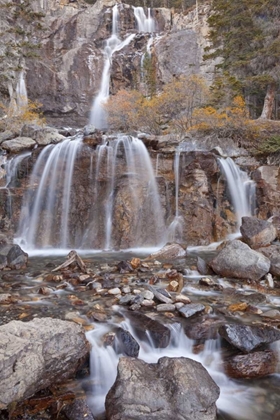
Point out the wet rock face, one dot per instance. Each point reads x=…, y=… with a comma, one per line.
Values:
x=36, y=354
x=247, y=338
x=142, y=324
x=237, y=260
x=172, y=388
x=257, y=233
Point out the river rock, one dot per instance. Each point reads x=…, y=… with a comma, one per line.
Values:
x=257, y=233
x=18, y=144
x=166, y=307
x=273, y=253
x=161, y=294
x=173, y=388
x=191, y=309
x=37, y=354
x=253, y=365
x=17, y=258
x=247, y=338
x=168, y=253
x=238, y=260
x=206, y=329
x=78, y=410
x=142, y=325
x=203, y=267
x=126, y=344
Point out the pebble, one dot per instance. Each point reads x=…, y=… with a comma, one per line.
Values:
x=166, y=307
x=126, y=289
x=147, y=294
x=115, y=291
x=182, y=298
x=148, y=303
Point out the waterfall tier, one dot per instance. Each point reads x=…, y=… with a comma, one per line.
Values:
x=110, y=200
x=98, y=115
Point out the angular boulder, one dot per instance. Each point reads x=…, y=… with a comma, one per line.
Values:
x=18, y=144
x=257, y=233
x=173, y=388
x=168, y=253
x=37, y=354
x=16, y=258
x=273, y=253
x=247, y=338
x=253, y=365
x=126, y=344
x=238, y=260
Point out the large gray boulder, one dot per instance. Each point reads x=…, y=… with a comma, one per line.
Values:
x=37, y=354
x=257, y=233
x=238, y=260
x=173, y=388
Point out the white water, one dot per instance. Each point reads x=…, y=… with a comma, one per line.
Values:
x=120, y=169
x=140, y=179
x=49, y=197
x=241, y=190
x=98, y=115
x=144, y=23
x=235, y=399
x=21, y=91
x=11, y=168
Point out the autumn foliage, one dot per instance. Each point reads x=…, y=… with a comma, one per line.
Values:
x=15, y=117
x=171, y=109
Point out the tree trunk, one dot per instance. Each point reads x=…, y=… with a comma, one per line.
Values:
x=268, y=102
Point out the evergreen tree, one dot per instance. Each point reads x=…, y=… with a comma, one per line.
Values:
x=246, y=34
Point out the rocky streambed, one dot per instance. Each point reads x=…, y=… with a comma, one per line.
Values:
x=156, y=315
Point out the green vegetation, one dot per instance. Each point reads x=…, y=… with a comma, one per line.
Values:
x=245, y=33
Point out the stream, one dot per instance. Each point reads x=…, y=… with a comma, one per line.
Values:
x=37, y=292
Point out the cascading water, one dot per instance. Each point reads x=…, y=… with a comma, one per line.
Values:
x=241, y=189
x=235, y=399
x=98, y=116
x=51, y=200
x=144, y=23
x=122, y=209
x=21, y=91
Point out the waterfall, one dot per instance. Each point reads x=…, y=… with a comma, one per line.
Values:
x=144, y=23
x=22, y=99
x=126, y=165
x=118, y=208
x=175, y=229
x=235, y=399
x=98, y=115
x=241, y=189
x=48, y=198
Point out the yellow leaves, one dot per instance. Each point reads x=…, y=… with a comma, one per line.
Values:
x=16, y=116
x=173, y=107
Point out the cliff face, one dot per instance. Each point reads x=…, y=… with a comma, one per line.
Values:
x=60, y=49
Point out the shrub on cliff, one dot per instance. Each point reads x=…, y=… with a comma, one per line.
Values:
x=171, y=109
x=13, y=117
